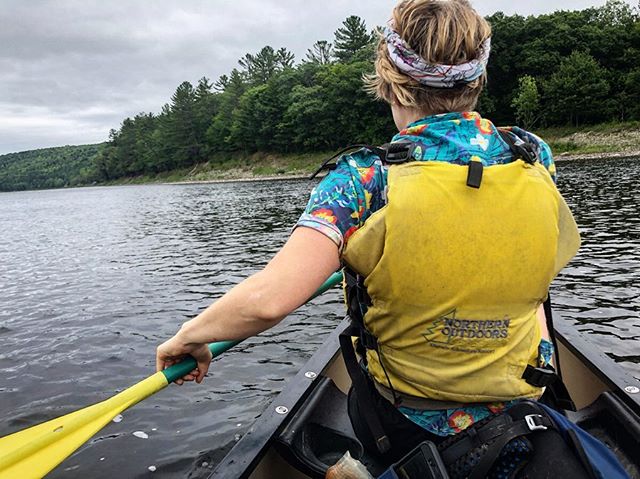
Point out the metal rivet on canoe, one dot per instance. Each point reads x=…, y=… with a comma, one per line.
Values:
x=310, y=375
x=282, y=409
x=632, y=389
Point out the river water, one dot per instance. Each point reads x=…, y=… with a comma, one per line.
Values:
x=92, y=279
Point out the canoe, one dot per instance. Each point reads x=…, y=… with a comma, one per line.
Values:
x=306, y=427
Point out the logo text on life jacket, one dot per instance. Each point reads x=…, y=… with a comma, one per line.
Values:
x=476, y=329
x=449, y=330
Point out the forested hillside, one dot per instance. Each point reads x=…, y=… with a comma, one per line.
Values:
x=565, y=68
x=568, y=68
x=47, y=168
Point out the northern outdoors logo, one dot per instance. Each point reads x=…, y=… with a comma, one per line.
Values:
x=450, y=332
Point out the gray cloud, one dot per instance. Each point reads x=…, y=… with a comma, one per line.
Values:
x=71, y=70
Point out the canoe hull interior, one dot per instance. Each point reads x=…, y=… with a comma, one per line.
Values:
x=306, y=426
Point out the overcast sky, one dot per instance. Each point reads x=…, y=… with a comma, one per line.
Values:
x=70, y=70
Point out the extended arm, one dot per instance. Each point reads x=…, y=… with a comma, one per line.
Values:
x=258, y=303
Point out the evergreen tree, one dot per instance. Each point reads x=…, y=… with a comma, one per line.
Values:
x=180, y=128
x=221, y=83
x=217, y=136
x=259, y=68
x=351, y=38
x=284, y=59
x=205, y=109
x=321, y=53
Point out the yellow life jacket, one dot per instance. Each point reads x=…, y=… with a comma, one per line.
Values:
x=456, y=274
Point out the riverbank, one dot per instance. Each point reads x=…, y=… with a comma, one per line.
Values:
x=620, y=140
x=617, y=140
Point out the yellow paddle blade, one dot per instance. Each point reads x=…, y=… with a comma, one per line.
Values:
x=33, y=452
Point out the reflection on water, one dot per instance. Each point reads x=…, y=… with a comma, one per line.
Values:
x=600, y=290
x=93, y=279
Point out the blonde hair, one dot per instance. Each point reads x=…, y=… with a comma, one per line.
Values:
x=446, y=32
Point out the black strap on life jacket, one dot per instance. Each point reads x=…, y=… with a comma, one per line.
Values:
x=474, y=175
x=327, y=164
x=359, y=381
x=556, y=393
x=522, y=150
x=390, y=153
x=357, y=303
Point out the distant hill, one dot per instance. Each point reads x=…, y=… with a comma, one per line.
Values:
x=47, y=168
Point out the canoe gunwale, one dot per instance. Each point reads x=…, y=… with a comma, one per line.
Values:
x=245, y=455
x=601, y=365
x=243, y=458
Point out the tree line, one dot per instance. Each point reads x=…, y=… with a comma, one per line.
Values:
x=564, y=68
x=268, y=103
x=48, y=167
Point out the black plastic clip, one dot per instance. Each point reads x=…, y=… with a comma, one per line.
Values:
x=400, y=152
x=539, y=377
x=474, y=176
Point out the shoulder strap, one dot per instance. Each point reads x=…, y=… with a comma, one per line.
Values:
x=523, y=150
x=389, y=153
x=327, y=165
x=364, y=394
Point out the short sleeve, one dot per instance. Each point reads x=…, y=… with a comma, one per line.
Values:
x=343, y=200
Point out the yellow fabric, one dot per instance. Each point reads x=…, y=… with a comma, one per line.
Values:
x=456, y=275
x=33, y=452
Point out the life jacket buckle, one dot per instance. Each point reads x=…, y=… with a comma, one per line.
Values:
x=539, y=377
x=533, y=425
x=400, y=152
x=368, y=340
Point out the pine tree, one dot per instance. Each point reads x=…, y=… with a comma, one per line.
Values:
x=205, y=109
x=284, y=59
x=221, y=84
x=218, y=132
x=321, y=53
x=181, y=129
x=351, y=38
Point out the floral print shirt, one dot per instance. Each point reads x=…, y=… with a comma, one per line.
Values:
x=348, y=195
x=356, y=188
x=451, y=421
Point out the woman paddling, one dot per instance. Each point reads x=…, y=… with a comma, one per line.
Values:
x=450, y=239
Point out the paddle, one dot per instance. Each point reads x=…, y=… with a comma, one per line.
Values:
x=33, y=452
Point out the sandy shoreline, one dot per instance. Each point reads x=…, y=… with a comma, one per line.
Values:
x=597, y=156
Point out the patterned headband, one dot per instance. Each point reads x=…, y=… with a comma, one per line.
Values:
x=434, y=75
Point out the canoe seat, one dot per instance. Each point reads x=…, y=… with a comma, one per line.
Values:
x=320, y=432
x=609, y=419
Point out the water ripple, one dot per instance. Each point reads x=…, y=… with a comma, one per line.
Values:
x=93, y=279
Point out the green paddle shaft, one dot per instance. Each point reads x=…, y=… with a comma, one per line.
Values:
x=189, y=364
